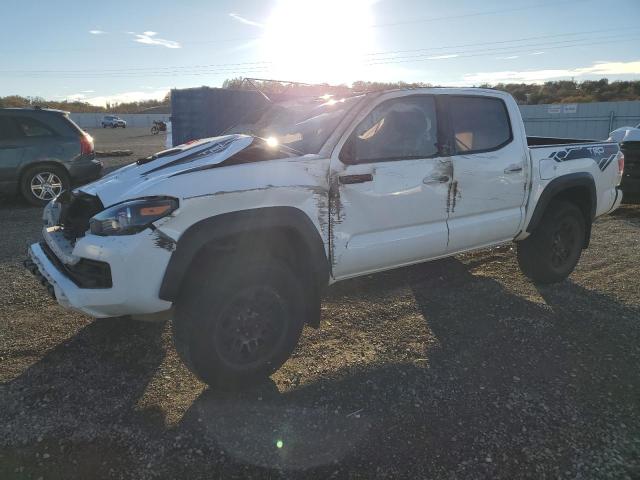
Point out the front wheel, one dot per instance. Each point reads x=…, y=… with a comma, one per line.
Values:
x=552, y=251
x=241, y=324
x=154, y=130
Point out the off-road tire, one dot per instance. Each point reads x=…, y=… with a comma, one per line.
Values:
x=203, y=315
x=551, y=252
x=32, y=172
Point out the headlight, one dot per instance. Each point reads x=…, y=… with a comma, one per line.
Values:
x=131, y=217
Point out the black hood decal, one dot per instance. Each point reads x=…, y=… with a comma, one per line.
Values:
x=256, y=152
x=217, y=147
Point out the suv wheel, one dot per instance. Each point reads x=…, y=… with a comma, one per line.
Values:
x=40, y=184
x=241, y=324
x=552, y=251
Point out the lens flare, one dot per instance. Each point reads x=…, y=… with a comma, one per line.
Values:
x=272, y=141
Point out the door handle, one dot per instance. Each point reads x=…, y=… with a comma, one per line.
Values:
x=438, y=179
x=513, y=168
x=358, y=178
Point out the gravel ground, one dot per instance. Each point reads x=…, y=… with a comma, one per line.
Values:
x=459, y=368
x=138, y=140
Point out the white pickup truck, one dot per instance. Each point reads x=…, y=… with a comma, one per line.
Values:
x=236, y=237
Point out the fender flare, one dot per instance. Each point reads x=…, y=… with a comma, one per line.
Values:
x=557, y=186
x=215, y=228
x=22, y=168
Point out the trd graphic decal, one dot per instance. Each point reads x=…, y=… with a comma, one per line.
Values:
x=603, y=155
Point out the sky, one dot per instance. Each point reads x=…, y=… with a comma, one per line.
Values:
x=116, y=51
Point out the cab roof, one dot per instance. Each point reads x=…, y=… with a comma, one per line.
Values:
x=35, y=109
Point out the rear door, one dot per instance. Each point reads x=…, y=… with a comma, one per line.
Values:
x=490, y=172
x=11, y=151
x=389, y=188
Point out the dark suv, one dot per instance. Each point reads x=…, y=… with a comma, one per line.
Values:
x=42, y=153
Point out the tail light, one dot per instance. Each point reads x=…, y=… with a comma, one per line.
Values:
x=86, y=144
x=621, y=164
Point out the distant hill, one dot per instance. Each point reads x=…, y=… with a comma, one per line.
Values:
x=561, y=91
x=566, y=91
x=82, y=107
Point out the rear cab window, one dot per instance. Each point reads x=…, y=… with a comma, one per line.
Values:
x=478, y=124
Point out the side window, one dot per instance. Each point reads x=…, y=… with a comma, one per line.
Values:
x=30, y=127
x=479, y=124
x=397, y=129
x=8, y=129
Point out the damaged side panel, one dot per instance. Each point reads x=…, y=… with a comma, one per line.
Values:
x=397, y=217
x=299, y=182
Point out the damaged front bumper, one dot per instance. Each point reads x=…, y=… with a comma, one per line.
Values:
x=102, y=276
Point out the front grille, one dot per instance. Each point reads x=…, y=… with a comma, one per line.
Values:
x=85, y=274
x=77, y=210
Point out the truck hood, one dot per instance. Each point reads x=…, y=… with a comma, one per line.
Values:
x=141, y=178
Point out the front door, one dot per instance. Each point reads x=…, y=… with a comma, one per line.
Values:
x=389, y=188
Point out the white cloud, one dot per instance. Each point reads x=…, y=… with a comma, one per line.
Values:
x=440, y=57
x=149, y=38
x=97, y=32
x=125, y=97
x=88, y=91
x=246, y=21
x=598, y=69
x=75, y=97
x=510, y=57
x=537, y=53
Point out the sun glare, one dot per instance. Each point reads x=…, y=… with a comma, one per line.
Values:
x=272, y=142
x=319, y=40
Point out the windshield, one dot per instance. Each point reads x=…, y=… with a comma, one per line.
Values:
x=303, y=125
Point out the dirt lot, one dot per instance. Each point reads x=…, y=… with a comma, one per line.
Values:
x=138, y=140
x=455, y=369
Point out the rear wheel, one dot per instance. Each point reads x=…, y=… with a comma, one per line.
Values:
x=552, y=251
x=40, y=184
x=241, y=324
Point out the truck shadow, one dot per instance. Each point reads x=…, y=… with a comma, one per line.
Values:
x=512, y=386
x=85, y=385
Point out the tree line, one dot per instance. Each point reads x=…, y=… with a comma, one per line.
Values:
x=17, y=101
x=561, y=91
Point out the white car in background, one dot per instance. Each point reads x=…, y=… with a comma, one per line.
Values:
x=629, y=140
x=628, y=134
